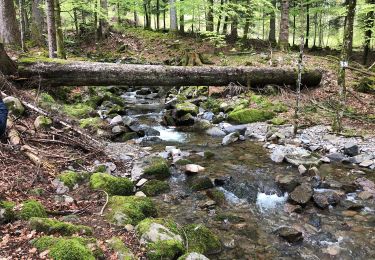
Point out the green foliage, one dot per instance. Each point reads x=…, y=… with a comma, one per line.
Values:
x=46, y=101
x=201, y=183
x=130, y=209
x=111, y=184
x=217, y=40
x=201, y=239
x=52, y=226
x=182, y=162
x=32, y=208
x=366, y=85
x=209, y=154
x=155, y=187
x=158, y=168
x=250, y=115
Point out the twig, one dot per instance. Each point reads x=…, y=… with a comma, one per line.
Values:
x=105, y=204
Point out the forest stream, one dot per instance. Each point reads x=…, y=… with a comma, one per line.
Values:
x=255, y=207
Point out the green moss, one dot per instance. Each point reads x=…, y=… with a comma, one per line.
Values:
x=145, y=224
x=79, y=110
x=201, y=239
x=165, y=249
x=155, y=187
x=120, y=248
x=46, y=101
x=183, y=162
x=41, y=59
x=201, y=183
x=111, y=184
x=212, y=104
x=43, y=122
x=209, y=154
x=130, y=209
x=216, y=195
x=158, y=168
x=91, y=122
x=278, y=107
x=71, y=178
x=51, y=226
x=278, y=121
x=32, y=208
x=65, y=248
x=128, y=136
x=245, y=116
x=186, y=108
x=6, y=211
x=100, y=168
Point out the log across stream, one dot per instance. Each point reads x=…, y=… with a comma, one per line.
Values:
x=64, y=73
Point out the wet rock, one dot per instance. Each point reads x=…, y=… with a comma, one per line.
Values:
x=296, y=159
x=150, y=140
x=209, y=204
x=220, y=181
x=143, y=91
x=277, y=156
x=301, y=194
x=215, y=131
x=366, y=184
x=193, y=168
x=349, y=213
x=325, y=159
x=326, y=198
x=367, y=163
x=231, y=138
x=186, y=108
x=201, y=183
x=349, y=187
x=315, y=221
x=152, y=96
x=302, y=169
x=365, y=195
x=128, y=121
x=219, y=118
x=332, y=250
x=116, y=120
x=351, y=206
x=351, y=149
x=290, y=234
x=321, y=200
x=330, y=184
x=290, y=208
x=208, y=116
x=193, y=256
x=313, y=171
x=335, y=157
x=286, y=182
x=118, y=129
x=202, y=124
x=185, y=120
x=361, y=157
x=228, y=128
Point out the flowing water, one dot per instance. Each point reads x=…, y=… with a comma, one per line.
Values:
x=254, y=209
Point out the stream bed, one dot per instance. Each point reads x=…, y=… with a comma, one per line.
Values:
x=254, y=205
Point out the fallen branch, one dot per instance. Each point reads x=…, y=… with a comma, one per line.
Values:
x=105, y=204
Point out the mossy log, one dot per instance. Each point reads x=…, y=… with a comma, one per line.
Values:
x=66, y=73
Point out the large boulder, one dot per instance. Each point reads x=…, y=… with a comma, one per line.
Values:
x=351, y=149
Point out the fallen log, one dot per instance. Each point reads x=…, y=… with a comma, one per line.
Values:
x=65, y=73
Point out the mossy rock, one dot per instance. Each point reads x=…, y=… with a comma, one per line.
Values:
x=201, y=239
x=193, y=256
x=208, y=154
x=155, y=187
x=79, y=110
x=130, y=209
x=46, y=101
x=162, y=238
x=245, y=116
x=200, y=183
x=157, y=168
x=53, y=226
x=123, y=252
x=42, y=122
x=14, y=106
x=65, y=248
x=128, y=136
x=278, y=121
x=6, y=212
x=111, y=184
x=216, y=195
x=229, y=217
x=32, y=208
x=91, y=123
x=186, y=108
x=277, y=107
x=71, y=178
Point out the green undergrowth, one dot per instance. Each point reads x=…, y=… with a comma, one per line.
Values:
x=52, y=226
x=32, y=208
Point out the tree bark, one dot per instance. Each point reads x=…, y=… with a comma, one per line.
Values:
x=7, y=66
x=307, y=26
x=369, y=24
x=103, y=74
x=51, y=28
x=220, y=17
x=350, y=25
x=272, y=33
x=182, y=18
x=172, y=16
x=9, y=31
x=284, y=25
x=59, y=33
x=210, y=16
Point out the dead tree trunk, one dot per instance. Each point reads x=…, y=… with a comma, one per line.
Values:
x=7, y=66
x=103, y=74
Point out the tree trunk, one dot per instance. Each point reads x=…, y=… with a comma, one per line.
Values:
x=369, y=24
x=21, y=9
x=272, y=33
x=307, y=25
x=220, y=17
x=182, y=18
x=210, y=16
x=37, y=22
x=146, y=7
x=294, y=23
x=284, y=25
x=349, y=25
x=103, y=23
x=105, y=74
x=59, y=33
x=9, y=31
x=173, y=16
x=158, y=15
x=51, y=28
x=7, y=66
x=76, y=21
x=315, y=27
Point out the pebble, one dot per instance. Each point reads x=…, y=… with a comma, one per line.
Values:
x=140, y=194
x=141, y=182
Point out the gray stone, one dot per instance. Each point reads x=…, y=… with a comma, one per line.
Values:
x=287, y=182
x=195, y=256
x=158, y=232
x=351, y=149
x=302, y=169
x=301, y=194
x=335, y=157
x=231, y=138
x=42, y=122
x=208, y=116
x=118, y=129
x=290, y=234
x=116, y=120
x=234, y=128
x=366, y=163
x=215, y=131
x=297, y=159
x=277, y=156
x=14, y=105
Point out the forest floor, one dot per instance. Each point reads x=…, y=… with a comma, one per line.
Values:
x=21, y=180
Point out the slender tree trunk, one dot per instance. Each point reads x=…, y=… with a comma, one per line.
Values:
x=135, y=19
x=9, y=31
x=225, y=25
x=158, y=15
x=307, y=25
x=103, y=23
x=173, y=16
x=182, y=19
x=76, y=21
x=210, y=16
x=284, y=26
x=96, y=28
x=315, y=27
x=320, y=30
x=220, y=17
x=164, y=15
x=51, y=28
x=147, y=14
x=37, y=22
x=272, y=33
x=59, y=33
x=345, y=55
x=369, y=24
x=21, y=14
x=294, y=22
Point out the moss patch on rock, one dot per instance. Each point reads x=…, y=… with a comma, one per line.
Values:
x=209, y=154
x=130, y=209
x=164, y=249
x=52, y=226
x=201, y=239
x=186, y=108
x=6, y=211
x=278, y=121
x=128, y=136
x=216, y=195
x=245, y=116
x=32, y=208
x=78, y=110
x=71, y=178
x=65, y=248
x=111, y=184
x=46, y=101
x=155, y=187
x=123, y=252
x=201, y=183
x=91, y=123
x=158, y=168
x=183, y=162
